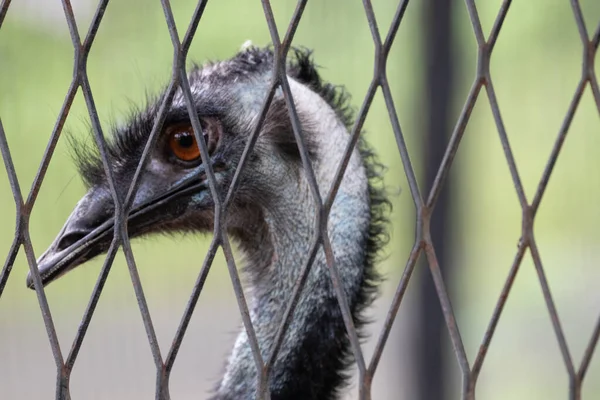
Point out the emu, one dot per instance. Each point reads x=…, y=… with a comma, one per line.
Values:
x=271, y=216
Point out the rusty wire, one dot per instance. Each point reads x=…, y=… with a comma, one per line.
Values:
x=424, y=207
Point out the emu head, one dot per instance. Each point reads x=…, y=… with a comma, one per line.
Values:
x=174, y=194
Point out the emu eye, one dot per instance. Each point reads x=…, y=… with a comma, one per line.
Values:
x=182, y=142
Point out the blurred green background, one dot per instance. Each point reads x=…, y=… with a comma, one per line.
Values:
x=535, y=67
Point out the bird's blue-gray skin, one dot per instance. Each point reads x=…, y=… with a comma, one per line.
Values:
x=271, y=218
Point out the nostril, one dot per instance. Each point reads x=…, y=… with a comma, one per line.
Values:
x=69, y=239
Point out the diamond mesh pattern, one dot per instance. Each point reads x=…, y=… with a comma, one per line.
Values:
x=424, y=205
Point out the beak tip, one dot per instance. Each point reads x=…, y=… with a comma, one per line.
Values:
x=29, y=281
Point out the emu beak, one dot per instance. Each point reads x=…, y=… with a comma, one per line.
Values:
x=89, y=230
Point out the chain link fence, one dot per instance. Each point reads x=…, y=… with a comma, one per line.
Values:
x=424, y=202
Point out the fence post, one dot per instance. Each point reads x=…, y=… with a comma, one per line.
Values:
x=431, y=372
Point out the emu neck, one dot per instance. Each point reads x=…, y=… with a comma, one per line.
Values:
x=315, y=350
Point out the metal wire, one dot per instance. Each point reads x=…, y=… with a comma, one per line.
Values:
x=422, y=243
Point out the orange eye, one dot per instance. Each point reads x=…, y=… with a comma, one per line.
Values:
x=183, y=142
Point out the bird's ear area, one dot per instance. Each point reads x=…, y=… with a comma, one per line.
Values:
x=181, y=142
x=279, y=130
x=213, y=131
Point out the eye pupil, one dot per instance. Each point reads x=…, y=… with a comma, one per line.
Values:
x=185, y=139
